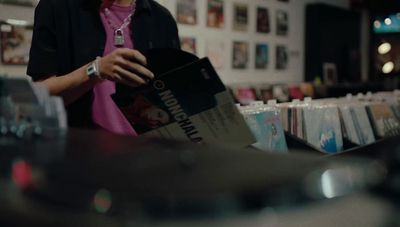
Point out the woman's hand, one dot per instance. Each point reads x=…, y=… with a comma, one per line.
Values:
x=125, y=66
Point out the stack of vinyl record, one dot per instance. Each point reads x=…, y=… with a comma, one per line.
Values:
x=266, y=125
x=327, y=125
x=316, y=123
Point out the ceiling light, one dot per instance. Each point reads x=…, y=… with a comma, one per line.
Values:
x=388, y=67
x=17, y=22
x=384, y=48
x=377, y=24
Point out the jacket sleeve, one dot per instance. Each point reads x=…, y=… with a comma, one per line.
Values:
x=171, y=29
x=43, y=53
x=174, y=33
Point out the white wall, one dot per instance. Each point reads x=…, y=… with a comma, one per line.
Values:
x=294, y=41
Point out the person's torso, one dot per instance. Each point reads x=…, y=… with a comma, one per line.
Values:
x=81, y=37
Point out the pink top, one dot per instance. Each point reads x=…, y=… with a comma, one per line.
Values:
x=105, y=113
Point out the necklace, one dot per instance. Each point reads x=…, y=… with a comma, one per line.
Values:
x=119, y=39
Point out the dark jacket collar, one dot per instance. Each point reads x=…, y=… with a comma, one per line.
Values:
x=143, y=5
x=95, y=4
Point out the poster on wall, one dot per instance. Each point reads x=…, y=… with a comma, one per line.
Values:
x=240, y=17
x=282, y=57
x=15, y=44
x=215, y=50
x=186, y=12
x=240, y=55
x=188, y=44
x=261, y=56
x=263, y=24
x=215, y=14
x=282, y=23
x=20, y=2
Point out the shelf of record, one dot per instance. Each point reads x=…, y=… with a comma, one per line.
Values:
x=324, y=125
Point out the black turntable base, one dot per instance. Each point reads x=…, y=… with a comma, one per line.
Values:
x=107, y=180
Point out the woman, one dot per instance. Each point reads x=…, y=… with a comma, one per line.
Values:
x=82, y=48
x=143, y=115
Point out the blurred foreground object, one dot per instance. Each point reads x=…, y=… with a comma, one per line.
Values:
x=27, y=110
x=32, y=125
x=110, y=180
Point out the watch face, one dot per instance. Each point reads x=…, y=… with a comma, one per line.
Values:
x=91, y=71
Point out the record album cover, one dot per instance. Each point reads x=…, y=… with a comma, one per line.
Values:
x=383, y=120
x=245, y=95
x=362, y=124
x=240, y=55
x=15, y=43
x=266, y=93
x=323, y=129
x=189, y=44
x=261, y=56
x=281, y=92
x=240, y=17
x=267, y=128
x=396, y=110
x=187, y=102
x=300, y=123
x=186, y=12
x=285, y=117
x=282, y=57
x=350, y=131
x=215, y=14
x=282, y=23
x=263, y=24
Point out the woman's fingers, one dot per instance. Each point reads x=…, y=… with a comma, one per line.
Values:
x=125, y=66
x=133, y=55
x=127, y=77
x=136, y=68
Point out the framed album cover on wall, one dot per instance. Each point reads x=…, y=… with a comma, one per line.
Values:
x=240, y=55
x=15, y=42
x=186, y=12
x=240, y=19
x=263, y=24
x=215, y=14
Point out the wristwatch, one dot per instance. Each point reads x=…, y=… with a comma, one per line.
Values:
x=93, y=70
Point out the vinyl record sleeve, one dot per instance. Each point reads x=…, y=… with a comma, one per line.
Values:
x=186, y=102
x=323, y=128
x=382, y=119
x=266, y=126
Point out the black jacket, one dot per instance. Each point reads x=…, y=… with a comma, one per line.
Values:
x=69, y=33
